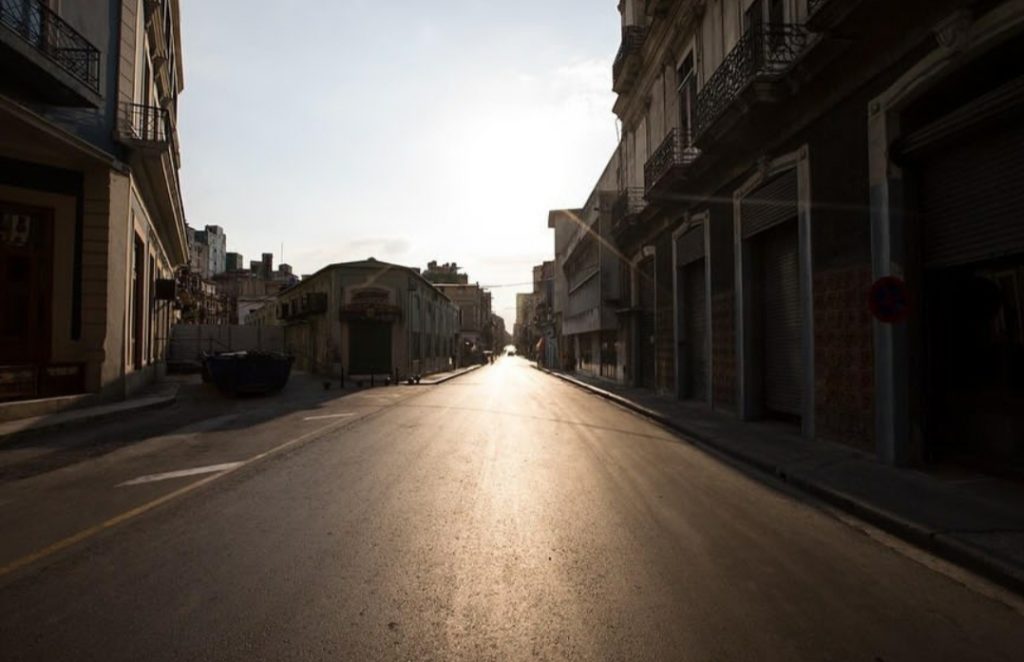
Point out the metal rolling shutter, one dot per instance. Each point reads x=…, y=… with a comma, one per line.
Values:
x=696, y=329
x=369, y=347
x=781, y=281
x=972, y=198
x=690, y=246
x=769, y=205
x=690, y=260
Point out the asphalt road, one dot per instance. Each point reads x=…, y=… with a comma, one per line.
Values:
x=503, y=515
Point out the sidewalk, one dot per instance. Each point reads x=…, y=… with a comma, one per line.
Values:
x=977, y=522
x=442, y=377
x=159, y=395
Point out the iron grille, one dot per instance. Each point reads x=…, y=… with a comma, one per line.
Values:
x=676, y=151
x=51, y=35
x=766, y=51
x=633, y=38
x=147, y=124
x=627, y=205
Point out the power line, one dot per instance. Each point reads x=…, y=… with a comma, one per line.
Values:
x=492, y=287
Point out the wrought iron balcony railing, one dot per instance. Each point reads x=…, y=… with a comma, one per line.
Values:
x=633, y=38
x=765, y=52
x=627, y=206
x=52, y=36
x=815, y=5
x=676, y=151
x=144, y=125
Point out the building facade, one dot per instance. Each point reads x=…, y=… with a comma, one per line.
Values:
x=783, y=162
x=364, y=319
x=208, y=251
x=91, y=219
x=234, y=262
x=475, y=333
x=246, y=290
x=592, y=268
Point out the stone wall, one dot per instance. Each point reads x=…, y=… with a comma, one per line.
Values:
x=723, y=350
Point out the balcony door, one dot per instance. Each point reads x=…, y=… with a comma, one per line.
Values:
x=687, y=100
x=772, y=12
x=753, y=17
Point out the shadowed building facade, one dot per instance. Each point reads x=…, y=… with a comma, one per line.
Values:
x=780, y=156
x=91, y=219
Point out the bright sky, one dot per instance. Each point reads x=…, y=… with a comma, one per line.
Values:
x=404, y=130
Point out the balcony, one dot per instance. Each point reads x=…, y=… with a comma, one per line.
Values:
x=45, y=56
x=752, y=73
x=626, y=67
x=144, y=127
x=670, y=163
x=152, y=153
x=628, y=205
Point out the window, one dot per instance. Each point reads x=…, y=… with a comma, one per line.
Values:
x=138, y=280
x=753, y=18
x=687, y=98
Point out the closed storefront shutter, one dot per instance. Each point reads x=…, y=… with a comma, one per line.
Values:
x=780, y=278
x=972, y=198
x=694, y=345
x=771, y=204
x=369, y=347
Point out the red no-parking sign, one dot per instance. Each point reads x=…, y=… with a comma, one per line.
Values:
x=889, y=300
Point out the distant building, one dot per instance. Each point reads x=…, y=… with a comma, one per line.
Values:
x=207, y=251
x=474, y=305
x=198, y=253
x=366, y=318
x=234, y=262
x=217, y=253
x=248, y=289
x=447, y=273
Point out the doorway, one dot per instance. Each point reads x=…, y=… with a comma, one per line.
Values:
x=26, y=273
x=369, y=347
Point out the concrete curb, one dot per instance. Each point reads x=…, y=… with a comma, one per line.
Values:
x=85, y=415
x=942, y=544
x=447, y=378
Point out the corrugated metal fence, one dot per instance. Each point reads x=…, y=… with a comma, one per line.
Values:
x=190, y=341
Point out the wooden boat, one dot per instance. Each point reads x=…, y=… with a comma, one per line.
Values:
x=248, y=372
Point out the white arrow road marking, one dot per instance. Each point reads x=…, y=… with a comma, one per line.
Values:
x=152, y=478
x=320, y=418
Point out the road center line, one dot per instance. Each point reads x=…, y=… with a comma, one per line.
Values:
x=320, y=418
x=152, y=478
x=85, y=534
